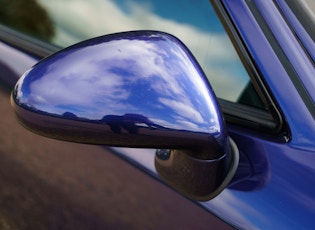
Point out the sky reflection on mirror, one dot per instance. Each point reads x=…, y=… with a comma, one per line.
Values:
x=194, y=22
x=150, y=76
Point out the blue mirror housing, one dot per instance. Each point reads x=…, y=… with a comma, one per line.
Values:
x=139, y=89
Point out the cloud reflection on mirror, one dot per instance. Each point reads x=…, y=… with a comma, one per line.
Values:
x=150, y=76
x=195, y=24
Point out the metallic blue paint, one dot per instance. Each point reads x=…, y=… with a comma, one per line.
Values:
x=127, y=83
x=9, y=73
x=289, y=44
x=298, y=28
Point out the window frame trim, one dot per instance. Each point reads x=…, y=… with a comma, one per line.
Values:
x=271, y=122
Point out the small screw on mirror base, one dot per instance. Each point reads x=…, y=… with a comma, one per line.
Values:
x=163, y=154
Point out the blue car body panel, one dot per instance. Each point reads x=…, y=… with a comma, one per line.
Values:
x=277, y=80
x=274, y=185
x=22, y=61
x=298, y=28
x=289, y=44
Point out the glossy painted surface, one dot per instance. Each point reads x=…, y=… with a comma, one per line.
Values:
x=126, y=84
x=302, y=34
x=285, y=201
x=290, y=45
x=21, y=62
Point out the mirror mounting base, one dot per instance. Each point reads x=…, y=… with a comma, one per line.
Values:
x=197, y=179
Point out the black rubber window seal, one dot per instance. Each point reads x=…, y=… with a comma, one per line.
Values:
x=270, y=121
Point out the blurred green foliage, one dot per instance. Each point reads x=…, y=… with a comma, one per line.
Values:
x=27, y=16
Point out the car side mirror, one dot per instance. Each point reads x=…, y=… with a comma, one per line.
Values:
x=139, y=89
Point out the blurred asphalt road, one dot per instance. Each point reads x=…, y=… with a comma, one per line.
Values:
x=50, y=184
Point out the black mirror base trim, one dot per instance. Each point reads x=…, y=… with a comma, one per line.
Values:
x=199, y=180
